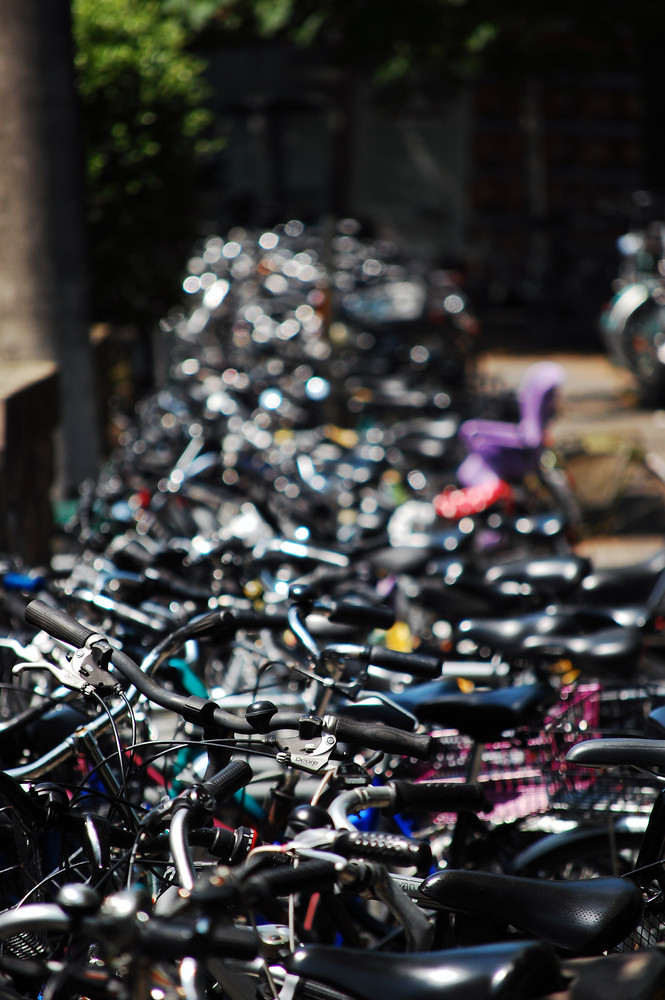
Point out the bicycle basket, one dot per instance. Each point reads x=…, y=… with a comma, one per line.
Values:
x=650, y=930
x=592, y=792
x=526, y=774
x=20, y=864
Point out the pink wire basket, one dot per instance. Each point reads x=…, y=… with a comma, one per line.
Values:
x=526, y=773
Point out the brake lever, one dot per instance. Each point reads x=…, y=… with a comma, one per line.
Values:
x=84, y=671
x=307, y=754
x=20, y=650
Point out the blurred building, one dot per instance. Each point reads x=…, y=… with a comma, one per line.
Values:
x=525, y=180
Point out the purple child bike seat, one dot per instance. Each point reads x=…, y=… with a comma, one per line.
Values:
x=498, y=449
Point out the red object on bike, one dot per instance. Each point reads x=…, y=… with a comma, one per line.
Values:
x=454, y=504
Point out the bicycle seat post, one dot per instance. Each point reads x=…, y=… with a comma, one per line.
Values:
x=330, y=669
x=653, y=843
x=463, y=819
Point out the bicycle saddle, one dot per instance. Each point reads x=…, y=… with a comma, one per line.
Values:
x=613, y=751
x=409, y=699
x=412, y=556
x=538, y=526
x=613, y=649
x=553, y=576
x=376, y=710
x=519, y=582
x=590, y=637
x=511, y=633
x=618, y=583
x=585, y=916
x=489, y=972
x=485, y=715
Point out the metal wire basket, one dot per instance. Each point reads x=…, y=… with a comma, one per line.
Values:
x=21, y=870
x=592, y=712
x=650, y=929
x=527, y=774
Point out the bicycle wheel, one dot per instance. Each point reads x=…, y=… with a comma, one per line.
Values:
x=585, y=852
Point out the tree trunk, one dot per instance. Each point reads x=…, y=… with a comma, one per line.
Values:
x=43, y=279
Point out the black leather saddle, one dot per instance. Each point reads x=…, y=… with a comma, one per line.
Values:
x=615, y=751
x=618, y=584
x=485, y=715
x=585, y=916
x=489, y=972
x=591, y=638
x=551, y=577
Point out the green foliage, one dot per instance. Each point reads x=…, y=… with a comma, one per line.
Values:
x=144, y=128
x=143, y=96
x=387, y=39
x=194, y=15
x=390, y=40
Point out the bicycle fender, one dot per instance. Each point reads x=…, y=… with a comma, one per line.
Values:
x=622, y=307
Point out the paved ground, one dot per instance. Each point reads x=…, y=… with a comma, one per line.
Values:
x=614, y=449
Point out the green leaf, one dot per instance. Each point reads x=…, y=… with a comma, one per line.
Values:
x=482, y=36
x=144, y=122
x=272, y=15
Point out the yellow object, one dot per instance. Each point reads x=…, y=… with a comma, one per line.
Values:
x=342, y=436
x=283, y=434
x=253, y=590
x=399, y=638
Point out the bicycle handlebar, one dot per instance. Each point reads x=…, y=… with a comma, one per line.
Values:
x=416, y=664
x=445, y=796
x=266, y=883
x=389, y=848
x=434, y=796
x=58, y=623
x=67, y=629
x=345, y=613
x=207, y=713
x=379, y=737
x=153, y=938
x=230, y=779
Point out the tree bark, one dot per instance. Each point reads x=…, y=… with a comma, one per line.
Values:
x=43, y=265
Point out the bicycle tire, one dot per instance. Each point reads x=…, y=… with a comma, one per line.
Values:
x=584, y=853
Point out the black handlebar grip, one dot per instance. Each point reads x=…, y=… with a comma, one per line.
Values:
x=310, y=876
x=57, y=623
x=416, y=664
x=379, y=737
x=157, y=937
x=253, y=621
x=212, y=624
x=439, y=796
x=217, y=840
x=230, y=779
x=228, y=623
x=345, y=613
x=389, y=848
